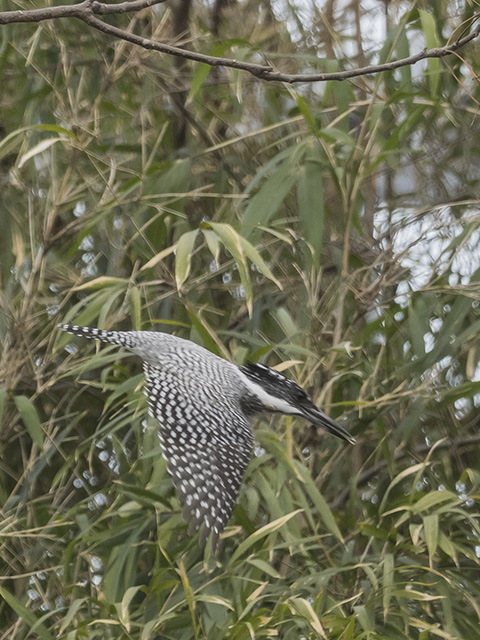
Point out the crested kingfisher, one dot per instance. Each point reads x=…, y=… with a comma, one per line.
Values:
x=203, y=405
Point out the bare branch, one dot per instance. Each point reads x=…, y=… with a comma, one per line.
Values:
x=89, y=9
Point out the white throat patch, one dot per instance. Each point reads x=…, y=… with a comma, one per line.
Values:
x=271, y=402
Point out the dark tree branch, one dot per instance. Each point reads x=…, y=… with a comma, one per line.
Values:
x=80, y=10
x=89, y=9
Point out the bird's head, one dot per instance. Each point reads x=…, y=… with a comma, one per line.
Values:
x=275, y=392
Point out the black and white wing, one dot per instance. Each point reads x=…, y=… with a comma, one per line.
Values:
x=207, y=445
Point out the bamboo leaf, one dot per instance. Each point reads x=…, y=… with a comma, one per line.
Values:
x=401, y=476
x=128, y=596
x=388, y=572
x=256, y=259
x=213, y=243
x=38, y=149
x=30, y=418
x=183, y=257
x=311, y=208
x=3, y=395
x=264, y=566
x=100, y=283
x=199, y=76
x=159, y=257
x=73, y=609
x=232, y=242
x=319, y=501
x=136, y=307
x=189, y=595
x=266, y=202
x=430, y=525
x=303, y=608
x=431, y=38
x=433, y=499
x=264, y=531
x=203, y=597
x=27, y=616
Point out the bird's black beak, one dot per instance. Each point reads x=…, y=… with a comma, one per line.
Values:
x=316, y=416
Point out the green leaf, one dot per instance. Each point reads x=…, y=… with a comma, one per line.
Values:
x=418, y=325
x=266, y=202
x=256, y=259
x=240, y=248
x=27, y=616
x=432, y=499
x=388, y=570
x=136, y=307
x=311, y=206
x=430, y=525
x=403, y=51
x=127, y=598
x=304, y=109
x=319, y=501
x=365, y=617
x=447, y=546
x=199, y=76
x=30, y=418
x=333, y=135
x=189, y=594
x=233, y=243
x=265, y=567
x=3, y=395
x=213, y=243
x=264, y=531
x=183, y=257
x=71, y=613
x=432, y=41
x=56, y=129
x=303, y=608
x=401, y=476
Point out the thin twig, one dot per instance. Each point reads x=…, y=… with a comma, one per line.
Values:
x=89, y=9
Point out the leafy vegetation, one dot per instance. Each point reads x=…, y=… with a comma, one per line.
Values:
x=327, y=229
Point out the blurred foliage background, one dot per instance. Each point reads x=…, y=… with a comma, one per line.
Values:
x=331, y=230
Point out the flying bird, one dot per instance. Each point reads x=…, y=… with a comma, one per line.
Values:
x=203, y=405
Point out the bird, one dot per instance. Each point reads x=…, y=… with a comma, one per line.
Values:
x=204, y=405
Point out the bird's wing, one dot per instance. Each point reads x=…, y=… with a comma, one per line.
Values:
x=207, y=446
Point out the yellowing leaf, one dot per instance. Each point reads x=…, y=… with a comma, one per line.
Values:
x=305, y=609
x=101, y=281
x=37, y=149
x=183, y=257
x=158, y=257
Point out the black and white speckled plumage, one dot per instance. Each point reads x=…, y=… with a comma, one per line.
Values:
x=202, y=404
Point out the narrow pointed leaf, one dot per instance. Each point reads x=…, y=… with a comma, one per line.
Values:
x=271, y=527
x=183, y=257
x=30, y=418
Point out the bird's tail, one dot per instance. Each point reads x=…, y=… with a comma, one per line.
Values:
x=123, y=338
